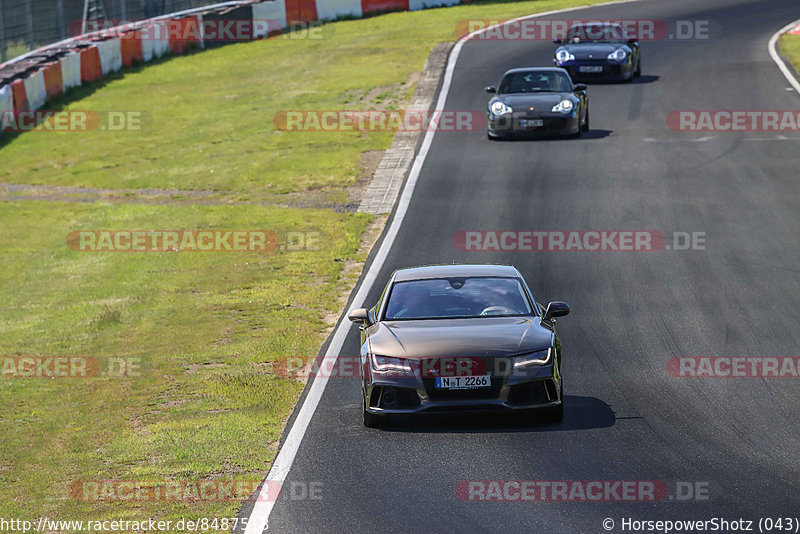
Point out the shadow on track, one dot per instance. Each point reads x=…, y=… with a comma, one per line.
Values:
x=581, y=413
x=644, y=78
x=594, y=133
x=591, y=134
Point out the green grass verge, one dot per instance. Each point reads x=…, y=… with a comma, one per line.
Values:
x=790, y=48
x=206, y=326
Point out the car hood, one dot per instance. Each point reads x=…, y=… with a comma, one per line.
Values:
x=543, y=101
x=440, y=338
x=596, y=50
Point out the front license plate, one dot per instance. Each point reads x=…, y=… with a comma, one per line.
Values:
x=590, y=68
x=531, y=123
x=463, y=382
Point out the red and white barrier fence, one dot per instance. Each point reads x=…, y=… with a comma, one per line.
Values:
x=110, y=54
x=274, y=11
x=34, y=89
x=70, y=71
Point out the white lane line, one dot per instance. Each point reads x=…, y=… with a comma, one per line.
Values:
x=777, y=138
x=685, y=140
x=776, y=57
x=259, y=516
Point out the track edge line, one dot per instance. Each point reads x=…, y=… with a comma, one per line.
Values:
x=778, y=59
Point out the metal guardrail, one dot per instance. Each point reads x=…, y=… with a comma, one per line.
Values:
x=26, y=25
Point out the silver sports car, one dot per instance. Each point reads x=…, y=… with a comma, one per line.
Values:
x=447, y=338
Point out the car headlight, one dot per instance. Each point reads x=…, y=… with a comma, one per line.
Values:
x=565, y=106
x=562, y=56
x=540, y=357
x=618, y=55
x=500, y=108
x=387, y=364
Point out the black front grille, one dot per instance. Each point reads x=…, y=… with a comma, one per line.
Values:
x=552, y=125
x=608, y=70
x=549, y=124
x=398, y=398
x=457, y=408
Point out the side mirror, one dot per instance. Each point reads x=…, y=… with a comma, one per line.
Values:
x=556, y=309
x=581, y=87
x=359, y=315
x=557, y=41
x=632, y=41
x=491, y=89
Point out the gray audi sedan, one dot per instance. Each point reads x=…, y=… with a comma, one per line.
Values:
x=452, y=338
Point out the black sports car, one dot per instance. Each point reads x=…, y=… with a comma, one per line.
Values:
x=536, y=102
x=599, y=51
x=450, y=338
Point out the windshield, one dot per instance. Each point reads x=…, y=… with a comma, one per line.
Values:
x=596, y=33
x=535, y=82
x=441, y=298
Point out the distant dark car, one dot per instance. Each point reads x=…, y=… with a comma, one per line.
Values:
x=536, y=102
x=449, y=338
x=599, y=51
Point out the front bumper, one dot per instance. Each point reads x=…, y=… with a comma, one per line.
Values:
x=518, y=125
x=611, y=71
x=528, y=388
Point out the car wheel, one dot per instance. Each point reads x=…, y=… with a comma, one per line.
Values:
x=586, y=125
x=372, y=420
x=638, y=68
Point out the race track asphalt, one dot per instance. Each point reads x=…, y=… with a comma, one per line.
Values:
x=626, y=418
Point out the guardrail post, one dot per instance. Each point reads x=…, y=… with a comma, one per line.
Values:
x=29, y=21
x=62, y=26
x=85, y=14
